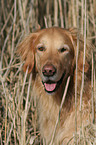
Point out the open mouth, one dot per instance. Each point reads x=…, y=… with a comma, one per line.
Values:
x=51, y=86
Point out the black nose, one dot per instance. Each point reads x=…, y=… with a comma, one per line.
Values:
x=48, y=70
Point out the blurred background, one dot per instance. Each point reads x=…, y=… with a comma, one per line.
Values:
x=18, y=112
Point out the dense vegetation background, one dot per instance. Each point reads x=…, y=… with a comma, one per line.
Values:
x=18, y=113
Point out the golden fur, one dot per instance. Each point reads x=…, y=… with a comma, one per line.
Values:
x=56, y=47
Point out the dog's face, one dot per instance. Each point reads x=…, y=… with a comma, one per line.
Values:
x=54, y=54
x=51, y=53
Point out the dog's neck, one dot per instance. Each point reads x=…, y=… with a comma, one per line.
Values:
x=56, y=96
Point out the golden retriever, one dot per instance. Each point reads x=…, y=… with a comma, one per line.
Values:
x=51, y=56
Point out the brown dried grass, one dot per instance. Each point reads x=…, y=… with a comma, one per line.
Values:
x=18, y=113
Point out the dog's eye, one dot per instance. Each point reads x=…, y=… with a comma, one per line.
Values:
x=41, y=48
x=63, y=49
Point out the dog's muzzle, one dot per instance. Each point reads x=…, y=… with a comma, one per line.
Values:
x=48, y=72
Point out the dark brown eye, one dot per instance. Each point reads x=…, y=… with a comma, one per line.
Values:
x=41, y=48
x=63, y=49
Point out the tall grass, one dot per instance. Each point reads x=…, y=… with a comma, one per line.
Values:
x=18, y=112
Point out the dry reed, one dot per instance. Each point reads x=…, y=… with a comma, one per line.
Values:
x=18, y=112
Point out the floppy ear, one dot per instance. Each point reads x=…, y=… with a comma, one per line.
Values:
x=74, y=33
x=26, y=50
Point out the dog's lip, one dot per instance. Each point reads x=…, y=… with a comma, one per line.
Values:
x=51, y=86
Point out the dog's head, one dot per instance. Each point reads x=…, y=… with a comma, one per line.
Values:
x=51, y=53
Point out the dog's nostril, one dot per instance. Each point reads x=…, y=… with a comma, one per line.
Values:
x=49, y=70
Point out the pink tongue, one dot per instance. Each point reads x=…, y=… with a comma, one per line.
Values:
x=50, y=87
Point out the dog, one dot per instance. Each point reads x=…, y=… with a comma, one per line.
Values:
x=50, y=55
